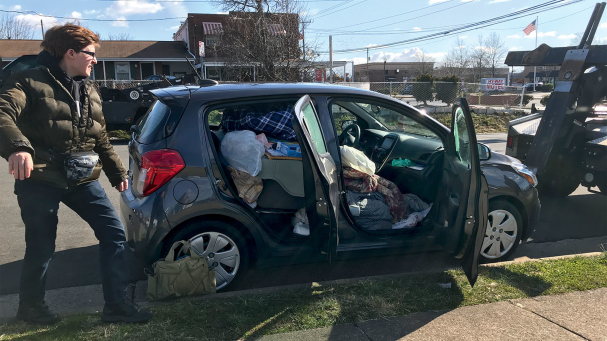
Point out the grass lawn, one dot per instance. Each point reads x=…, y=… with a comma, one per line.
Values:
x=253, y=315
x=482, y=123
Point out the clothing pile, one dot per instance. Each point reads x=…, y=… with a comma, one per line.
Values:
x=377, y=203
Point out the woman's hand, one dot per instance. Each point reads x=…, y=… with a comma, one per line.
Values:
x=123, y=186
x=20, y=165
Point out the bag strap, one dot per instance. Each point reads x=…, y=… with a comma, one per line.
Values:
x=171, y=255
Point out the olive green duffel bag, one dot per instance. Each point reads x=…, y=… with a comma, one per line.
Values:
x=186, y=276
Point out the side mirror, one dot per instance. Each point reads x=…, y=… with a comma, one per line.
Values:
x=484, y=152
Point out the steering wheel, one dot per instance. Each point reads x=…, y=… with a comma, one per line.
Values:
x=346, y=139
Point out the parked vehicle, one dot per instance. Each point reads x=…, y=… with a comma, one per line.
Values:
x=181, y=189
x=530, y=88
x=407, y=90
x=567, y=142
x=172, y=79
x=121, y=106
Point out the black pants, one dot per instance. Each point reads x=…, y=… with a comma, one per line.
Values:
x=39, y=203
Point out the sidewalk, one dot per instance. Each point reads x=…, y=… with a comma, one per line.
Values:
x=573, y=316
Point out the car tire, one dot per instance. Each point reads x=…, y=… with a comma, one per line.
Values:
x=504, y=234
x=229, y=271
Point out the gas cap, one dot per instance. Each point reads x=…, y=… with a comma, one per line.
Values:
x=185, y=192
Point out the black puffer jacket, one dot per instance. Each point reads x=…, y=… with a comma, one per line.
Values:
x=39, y=114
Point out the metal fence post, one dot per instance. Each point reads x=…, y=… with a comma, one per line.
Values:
x=522, y=98
x=390, y=89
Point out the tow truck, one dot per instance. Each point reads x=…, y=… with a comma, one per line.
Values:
x=567, y=143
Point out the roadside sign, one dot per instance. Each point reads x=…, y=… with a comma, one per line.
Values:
x=493, y=84
x=201, y=48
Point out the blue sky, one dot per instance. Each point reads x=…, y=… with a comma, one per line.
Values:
x=393, y=20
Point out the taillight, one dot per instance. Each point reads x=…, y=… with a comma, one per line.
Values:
x=510, y=142
x=157, y=168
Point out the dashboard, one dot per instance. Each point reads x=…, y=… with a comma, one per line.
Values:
x=416, y=148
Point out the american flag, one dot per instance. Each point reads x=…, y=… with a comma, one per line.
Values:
x=529, y=28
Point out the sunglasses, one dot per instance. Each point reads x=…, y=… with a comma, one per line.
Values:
x=92, y=54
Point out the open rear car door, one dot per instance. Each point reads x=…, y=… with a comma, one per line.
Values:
x=467, y=194
x=307, y=125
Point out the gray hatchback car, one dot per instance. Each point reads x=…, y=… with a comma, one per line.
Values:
x=483, y=203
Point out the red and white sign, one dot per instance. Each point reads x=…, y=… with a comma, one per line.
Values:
x=320, y=75
x=495, y=83
x=201, y=48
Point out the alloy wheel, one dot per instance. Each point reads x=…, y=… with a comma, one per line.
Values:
x=500, y=235
x=221, y=253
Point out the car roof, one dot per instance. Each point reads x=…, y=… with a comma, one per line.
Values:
x=243, y=90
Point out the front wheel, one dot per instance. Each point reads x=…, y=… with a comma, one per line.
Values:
x=222, y=245
x=504, y=231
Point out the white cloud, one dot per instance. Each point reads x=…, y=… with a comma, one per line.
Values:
x=406, y=55
x=76, y=15
x=229, y=13
x=542, y=34
x=15, y=8
x=469, y=0
x=432, y=2
x=496, y=1
x=515, y=48
x=34, y=20
x=120, y=22
x=463, y=37
x=122, y=8
x=603, y=25
x=416, y=29
x=174, y=28
x=514, y=36
x=93, y=11
x=567, y=36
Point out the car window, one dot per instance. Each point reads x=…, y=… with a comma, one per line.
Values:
x=341, y=115
x=152, y=123
x=314, y=128
x=396, y=121
x=462, y=139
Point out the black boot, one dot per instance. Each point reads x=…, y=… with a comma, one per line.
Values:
x=37, y=313
x=125, y=311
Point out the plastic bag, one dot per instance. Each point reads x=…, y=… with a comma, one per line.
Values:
x=264, y=140
x=354, y=158
x=300, y=223
x=402, y=163
x=249, y=187
x=242, y=151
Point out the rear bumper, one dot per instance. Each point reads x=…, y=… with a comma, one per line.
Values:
x=145, y=224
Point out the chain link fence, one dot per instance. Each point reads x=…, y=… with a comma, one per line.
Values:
x=443, y=94
x=120, y=85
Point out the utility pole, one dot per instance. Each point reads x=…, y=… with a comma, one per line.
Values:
x=42, y=28
x=331, y=59
x=368, y=65
x=303, y=34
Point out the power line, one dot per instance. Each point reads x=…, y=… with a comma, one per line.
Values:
x=465, y=28
x=340, y=9
x=85, y=19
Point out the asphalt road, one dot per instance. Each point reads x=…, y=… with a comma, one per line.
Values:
x=581, y=215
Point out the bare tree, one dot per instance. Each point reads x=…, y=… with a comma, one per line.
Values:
x=578, y=37
x=425, y=61
x=261, y=41
x=479, y=58
x=14, y=28
x=458, y=59
x=120, y=36
x=495, y=49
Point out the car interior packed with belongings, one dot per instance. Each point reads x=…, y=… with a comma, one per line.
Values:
x=257, y=146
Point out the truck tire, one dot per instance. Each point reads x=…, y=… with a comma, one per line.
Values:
x=558, y=185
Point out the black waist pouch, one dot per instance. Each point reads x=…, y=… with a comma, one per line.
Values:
x=80, y=165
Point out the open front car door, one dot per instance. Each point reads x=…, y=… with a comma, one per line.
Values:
x=307, y=125
x=466, y=192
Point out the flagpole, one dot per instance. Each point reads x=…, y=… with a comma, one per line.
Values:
x=537, y=31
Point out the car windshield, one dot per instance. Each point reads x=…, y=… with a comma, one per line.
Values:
x=395, y=121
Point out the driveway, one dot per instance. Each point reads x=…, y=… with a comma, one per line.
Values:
x=581, y=215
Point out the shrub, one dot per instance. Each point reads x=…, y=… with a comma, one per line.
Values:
x=526, y=99
x=548, y=87
x=422, y=91
x=446, y=89
x=544, y=100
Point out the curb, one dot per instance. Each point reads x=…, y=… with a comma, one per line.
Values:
x=97, y=307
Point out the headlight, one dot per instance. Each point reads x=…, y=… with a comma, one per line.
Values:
x=526, y=173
